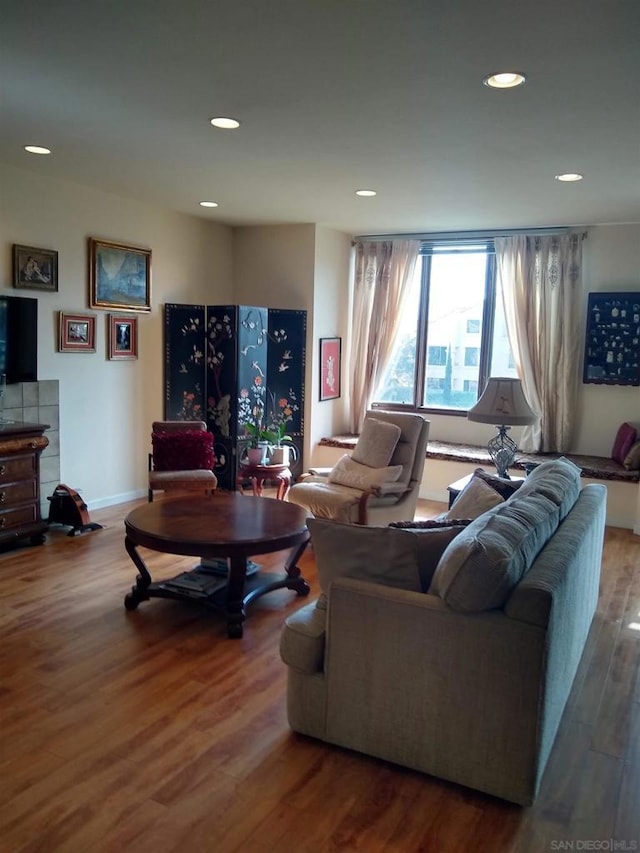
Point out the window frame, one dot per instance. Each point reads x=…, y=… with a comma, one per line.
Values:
x=428, y=250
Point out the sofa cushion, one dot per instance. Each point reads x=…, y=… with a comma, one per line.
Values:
x=382, y=555
x=346, y=472
x=186, y=450
x=376, y=443
x=624, y=440
x=557, y=479
x=476, y=498
x=481, y=566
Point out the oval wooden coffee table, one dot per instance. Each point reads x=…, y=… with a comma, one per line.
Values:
x=226, y=525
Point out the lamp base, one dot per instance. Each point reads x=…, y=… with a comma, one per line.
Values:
x=502, y=450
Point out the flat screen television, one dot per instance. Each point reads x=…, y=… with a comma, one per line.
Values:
x=19, y=338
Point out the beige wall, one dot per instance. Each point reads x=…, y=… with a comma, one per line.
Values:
x=330, y=319
x=273, y=266
x=611, y=263
x=303, y=267
x=106, y=407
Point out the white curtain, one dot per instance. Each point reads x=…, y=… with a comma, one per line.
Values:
x=383, y=273
x=541, y=283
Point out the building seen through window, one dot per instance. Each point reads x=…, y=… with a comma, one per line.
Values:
x=453, y=333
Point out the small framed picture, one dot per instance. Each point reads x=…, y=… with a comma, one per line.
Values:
x=123, y=336
x=119, y=276
x=35, y=269
x=330, y=366
x=77, y=332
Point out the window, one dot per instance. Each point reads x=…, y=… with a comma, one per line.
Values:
x=471, y=356
x=437, y=355
x=435, y=384
x=436, y=365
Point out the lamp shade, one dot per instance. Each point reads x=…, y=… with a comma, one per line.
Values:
x=502, y=402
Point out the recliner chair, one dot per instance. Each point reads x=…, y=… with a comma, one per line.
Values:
x=356, y=491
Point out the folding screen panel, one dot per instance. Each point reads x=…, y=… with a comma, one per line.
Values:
x=233, y=364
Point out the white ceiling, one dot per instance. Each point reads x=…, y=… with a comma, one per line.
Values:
x=333, y=96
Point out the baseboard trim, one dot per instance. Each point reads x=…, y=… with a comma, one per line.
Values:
x=112, y=500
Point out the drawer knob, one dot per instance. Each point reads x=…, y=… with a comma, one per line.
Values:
x=3, y=521
x=3, y=469
x=3, y=497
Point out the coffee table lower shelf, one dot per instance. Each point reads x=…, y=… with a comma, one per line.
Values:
x=215, y=596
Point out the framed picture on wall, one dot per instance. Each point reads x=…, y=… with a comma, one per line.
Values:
x=77, y=332
x=119, y=276
x=612, y=346
x=35, y=269
x=330, y=366
x=123, y=336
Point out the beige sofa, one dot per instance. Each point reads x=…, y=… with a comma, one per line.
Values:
x=467, y=681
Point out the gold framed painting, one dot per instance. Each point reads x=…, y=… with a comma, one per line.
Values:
x=77, y=332
x=35, y=269
x=119, y=276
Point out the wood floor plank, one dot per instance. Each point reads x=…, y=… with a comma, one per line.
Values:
x=151, y=731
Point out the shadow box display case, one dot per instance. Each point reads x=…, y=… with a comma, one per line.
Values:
x=612, y=346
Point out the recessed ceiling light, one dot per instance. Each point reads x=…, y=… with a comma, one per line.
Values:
x=225, y=123
x=366, y=193
x=568, y=177
x=37, y=149
x=208, y=204
x=504, y=80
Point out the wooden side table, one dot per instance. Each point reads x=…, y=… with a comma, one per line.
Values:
x=280, y=474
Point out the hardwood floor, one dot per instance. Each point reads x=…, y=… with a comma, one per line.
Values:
x=151, y=731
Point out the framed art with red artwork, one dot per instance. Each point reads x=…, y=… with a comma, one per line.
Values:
x=330, y=366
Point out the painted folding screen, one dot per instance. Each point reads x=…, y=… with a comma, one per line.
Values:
x=227, y=364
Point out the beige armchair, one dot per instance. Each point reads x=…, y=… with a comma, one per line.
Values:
x=182, y=458
x=379, y=482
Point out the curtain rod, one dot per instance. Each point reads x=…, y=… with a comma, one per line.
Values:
x=467, y=235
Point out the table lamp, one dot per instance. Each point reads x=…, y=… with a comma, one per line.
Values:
x=503, y=404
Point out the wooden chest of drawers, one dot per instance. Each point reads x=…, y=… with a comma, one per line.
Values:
x=20, y=447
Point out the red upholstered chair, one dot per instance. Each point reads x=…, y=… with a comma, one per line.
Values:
x=182, y=458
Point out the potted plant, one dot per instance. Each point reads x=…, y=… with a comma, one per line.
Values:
x=281, y=413
x=279, y=452
x=258, y=439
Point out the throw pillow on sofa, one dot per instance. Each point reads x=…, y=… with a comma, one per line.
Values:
x=475, y=499
x=378, y=554
x=433, y=536
x=505, y=488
